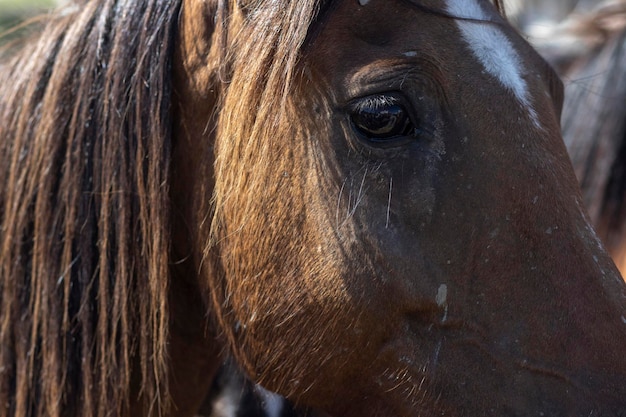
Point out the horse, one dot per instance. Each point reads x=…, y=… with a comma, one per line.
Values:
x=588, y=50
x=367, y=204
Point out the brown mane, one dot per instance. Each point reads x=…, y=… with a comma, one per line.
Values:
x=84, y=210
x=85, y=122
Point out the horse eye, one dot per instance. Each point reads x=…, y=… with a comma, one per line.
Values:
x=381, y=119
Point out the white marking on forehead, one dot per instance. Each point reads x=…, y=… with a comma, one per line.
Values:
x=363, y=2
x=493, y=49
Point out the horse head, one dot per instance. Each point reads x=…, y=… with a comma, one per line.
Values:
x=396, y=227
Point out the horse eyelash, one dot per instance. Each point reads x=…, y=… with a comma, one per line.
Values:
x=375, y=101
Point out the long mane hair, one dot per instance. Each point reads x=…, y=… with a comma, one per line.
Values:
x=84, y=164
x=86, y=136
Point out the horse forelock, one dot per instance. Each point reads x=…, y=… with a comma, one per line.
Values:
x=84, y=163
x=264, y=56
x=255, y=115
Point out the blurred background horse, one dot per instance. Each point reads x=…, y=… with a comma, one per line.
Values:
x=585, y=41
